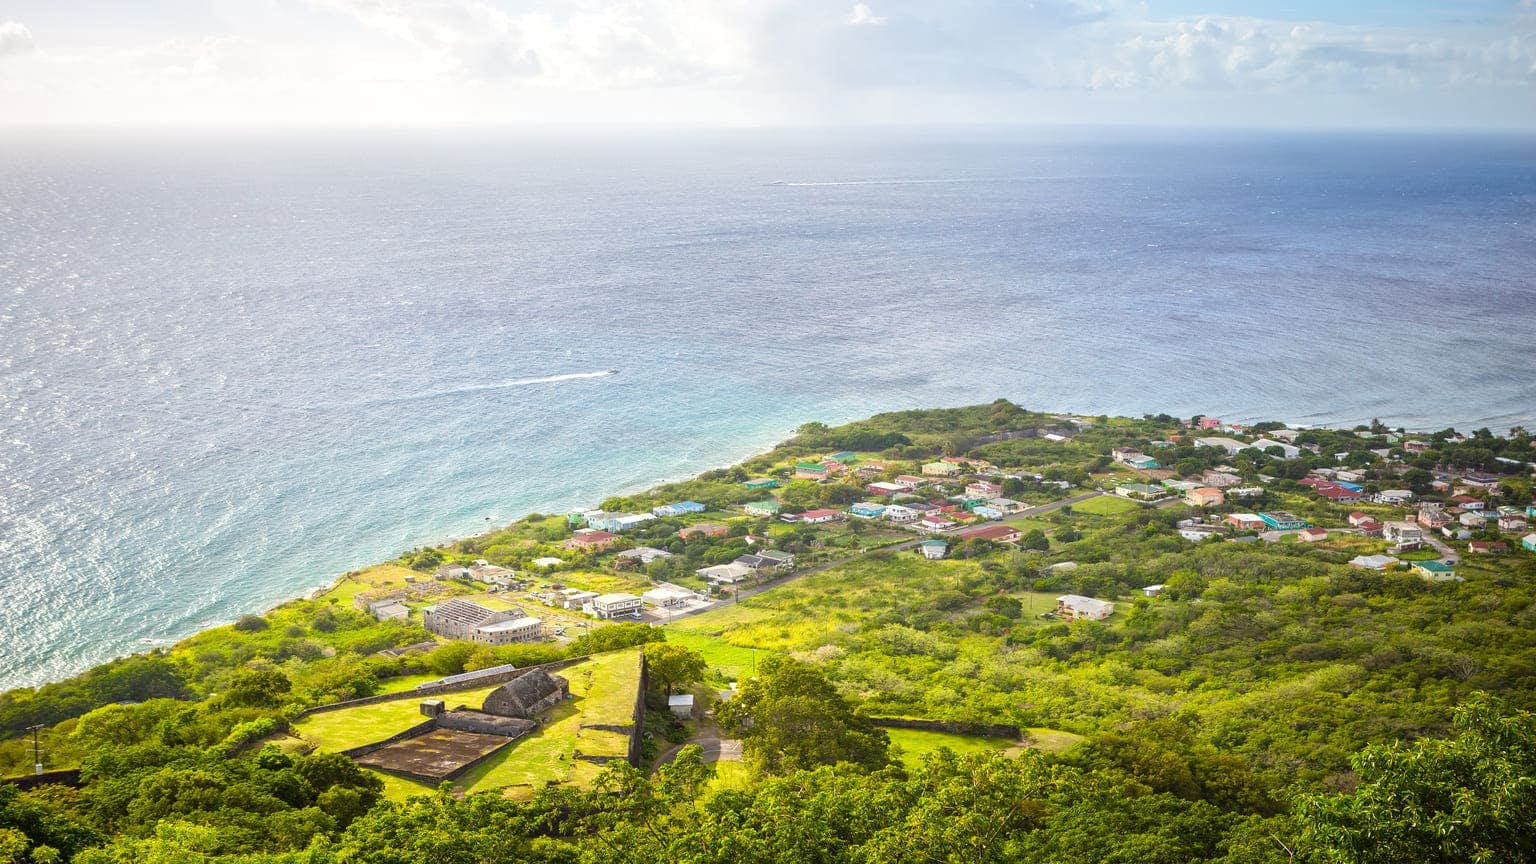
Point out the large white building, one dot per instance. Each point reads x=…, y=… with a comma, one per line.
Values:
x=471, y=622
x=1075, y=606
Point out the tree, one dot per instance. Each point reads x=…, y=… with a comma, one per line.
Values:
x=791, y=718
x=1035, y=539
x=1468, y=798
x=257, y=688
x=669, y=666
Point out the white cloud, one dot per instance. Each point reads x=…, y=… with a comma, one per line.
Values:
x=15, y=39
x=772, y=59
x=862, y=15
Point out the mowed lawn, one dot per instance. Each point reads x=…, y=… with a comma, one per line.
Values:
x=1105, y=505
x=365, y=724
x=605, y=688
x=916, y=744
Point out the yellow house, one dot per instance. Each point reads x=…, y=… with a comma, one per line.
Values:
x=1206, y=496
x=942, y=469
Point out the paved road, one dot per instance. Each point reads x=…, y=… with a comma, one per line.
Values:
x=715, y=750
x=753, y=591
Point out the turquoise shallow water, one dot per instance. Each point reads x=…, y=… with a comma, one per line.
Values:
x=232, y=368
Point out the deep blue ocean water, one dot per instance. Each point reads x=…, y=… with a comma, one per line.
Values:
x=232, y=367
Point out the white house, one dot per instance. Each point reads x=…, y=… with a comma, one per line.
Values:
x=933, y=549
x=1231, y=445
x=1402, y=532
x=1075, y=606
x=1394, y=496
x=681, y=705
x=725, y=574
x=1289, y=451
x=667, y=596
x=609, y=606
x=1374, y=562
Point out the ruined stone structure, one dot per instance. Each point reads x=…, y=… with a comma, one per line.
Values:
x=534, y=693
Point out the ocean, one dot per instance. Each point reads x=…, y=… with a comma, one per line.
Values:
x=233, y=366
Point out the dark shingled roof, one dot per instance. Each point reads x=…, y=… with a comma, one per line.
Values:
x=527, y=695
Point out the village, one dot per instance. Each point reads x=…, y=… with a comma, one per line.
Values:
x=625, y=565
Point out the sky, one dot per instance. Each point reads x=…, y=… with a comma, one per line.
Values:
x=266, y=63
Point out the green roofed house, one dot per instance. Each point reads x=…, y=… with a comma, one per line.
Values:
x=810, y=471
x=767, y=507
x=1146, y=463
x=762, y=483
x=1140, y=491
x=1436, y=571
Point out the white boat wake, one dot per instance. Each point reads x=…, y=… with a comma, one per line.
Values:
x=504, y=385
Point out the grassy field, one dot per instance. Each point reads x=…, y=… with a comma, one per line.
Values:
x=727, y=662
x=916, y=744
x=367, y=579
x=354, y=727
x=1050, y=740
x=1105, y=505
x=404, y=682
x=604, y=691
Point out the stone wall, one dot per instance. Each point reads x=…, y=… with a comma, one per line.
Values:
x=419, y=728
x=637, y=731
x=485, y=724
x=440, y=689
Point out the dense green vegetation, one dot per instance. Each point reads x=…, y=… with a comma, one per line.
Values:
x=1272, y=703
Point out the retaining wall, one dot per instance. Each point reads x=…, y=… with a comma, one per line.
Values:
x=441, y=689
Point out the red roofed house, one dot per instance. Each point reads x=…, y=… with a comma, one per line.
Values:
x=1467, y=502
x=995, y=533
x=983, y=489
x=911, y=481
x=816, y=517
x=590, y=539
x=935, y=522
x=704, y=529
x=1339, y=494
x=1311, y=535
x=1205, y=496
x=1359, y=518
x=1487, y=547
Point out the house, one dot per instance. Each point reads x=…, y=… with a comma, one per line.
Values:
x=933, y=550
x=867, y=510
x=900, y=514
x=389, y=609
x=1230, y=445
x=994, y=533
x=1479, y=480
x=1197, y=533
x=986, y=511
x=811, y=471
x=1436, y=571
x=911, y=481
x=766, y=507
x=1245, y=492
x=884, y=488
x=1140, y=491
x=983, y=489
x=1338, y=493
x=1432, y=517
x=616, y=605
x=1528, y=542
x=767, y=559
x=1402, y=532
x=704, y=529
x=573, y=598
x=1487, y=547
x=592, y=540
x=847, y=457
x=1075, y=607
x=456, y=618
x=818, y=517
x=1467, y=502
x=936, y=521
x=1512, y=524
x=1472, y=519
x=1279, y=520
x=1210, y=422
x=725, y=574
x=678, y=509
x=1374, y=562
x=616, y=522
x=1180, y=486
x=1246, y=521
x=1287, y=451
x=1133, y=458
x=762, y=483
x=1371, y=528
x=1394, y=496
x=681, y=705
x=1531, y=511
x=1152, y=590
x=1358, y=518
x=943, y=469
x=1205, y=496
x=667, y=596
x=642, y=554
x=1220, y=479
x=1311, y=535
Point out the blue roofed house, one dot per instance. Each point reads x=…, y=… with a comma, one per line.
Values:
x=1279, y=520
x=844, y=456
x=867, y=510
x=1528, y=542
x=987, y=512
x=679, y=508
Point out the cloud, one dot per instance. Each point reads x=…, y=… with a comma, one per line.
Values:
x=15, y=39
x=863, y=16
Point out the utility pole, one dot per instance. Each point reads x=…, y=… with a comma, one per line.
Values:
x=37, y=753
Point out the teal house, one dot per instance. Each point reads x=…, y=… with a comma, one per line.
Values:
x=762, y=483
